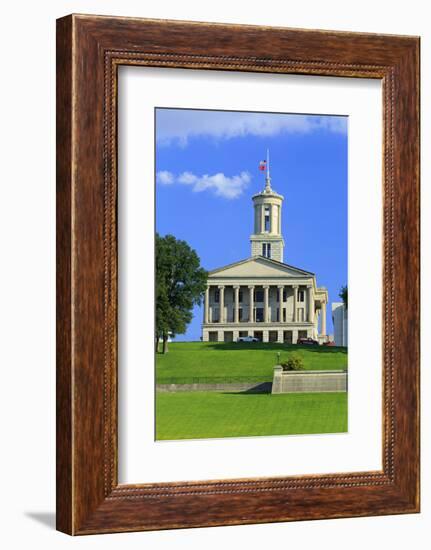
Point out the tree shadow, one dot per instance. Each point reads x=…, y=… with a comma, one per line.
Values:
x=245, y=393
x=261, y=388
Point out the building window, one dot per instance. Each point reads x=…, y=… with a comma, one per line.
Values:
x=301, y=295
x=259, y=315
x=267, y=220
x=216, y=296
x=258, y=295
x=284, y=295
x=240, y=296
x=273, y=336
x=287, y=336
x=240, y=314
x=215, y=318
x=266, y=250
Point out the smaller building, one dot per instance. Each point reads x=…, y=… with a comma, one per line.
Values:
x=340, y=320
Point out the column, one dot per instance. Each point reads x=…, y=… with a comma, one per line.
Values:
x=310, y=304
x=221, y=316
x=251, y=305
x=280, y=302
x=323, y=319
x=236, y=304
x=265, y=304
x=274, y=219
x=207, y=304
x=295, y=303
x=279, y=219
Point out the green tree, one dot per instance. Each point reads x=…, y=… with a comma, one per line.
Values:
x=180, y=285
x=343, y=295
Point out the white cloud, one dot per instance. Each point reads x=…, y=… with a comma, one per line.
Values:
x=188, y=178
x=178, y=125
x=164, y=177
x=221, y=185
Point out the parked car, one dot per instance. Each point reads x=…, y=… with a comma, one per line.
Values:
x=329, y=343
x=247, y=339
x=307, y=342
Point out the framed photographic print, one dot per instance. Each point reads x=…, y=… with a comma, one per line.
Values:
x=237, y=276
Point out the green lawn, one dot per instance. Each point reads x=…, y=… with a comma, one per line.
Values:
x=194, y=415
x=187, y=361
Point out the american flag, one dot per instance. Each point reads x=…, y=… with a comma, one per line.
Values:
x=262, y=165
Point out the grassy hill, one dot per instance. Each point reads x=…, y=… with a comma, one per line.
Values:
x=207, y=361
x=194, y=415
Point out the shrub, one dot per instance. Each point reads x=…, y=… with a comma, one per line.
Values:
x=293, y=363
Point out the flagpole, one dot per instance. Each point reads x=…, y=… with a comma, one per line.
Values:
x=268, y=179
x=267, y=162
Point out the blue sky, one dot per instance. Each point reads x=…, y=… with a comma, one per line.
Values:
x=207, y=171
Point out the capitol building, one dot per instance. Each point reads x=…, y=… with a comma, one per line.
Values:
x=262, y=296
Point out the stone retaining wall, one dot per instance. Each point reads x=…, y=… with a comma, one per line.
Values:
x=283, y=382
x=250, y=387
x=308, y=381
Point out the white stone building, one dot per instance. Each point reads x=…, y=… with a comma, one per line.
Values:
x=340, y=320
x=262, y=296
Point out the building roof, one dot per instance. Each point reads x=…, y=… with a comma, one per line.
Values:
x=269, y=261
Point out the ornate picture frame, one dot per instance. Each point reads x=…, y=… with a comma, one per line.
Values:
x=89, y=51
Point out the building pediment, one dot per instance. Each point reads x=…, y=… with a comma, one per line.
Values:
x=259, y=266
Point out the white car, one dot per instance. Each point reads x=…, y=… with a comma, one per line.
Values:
x=247, y=339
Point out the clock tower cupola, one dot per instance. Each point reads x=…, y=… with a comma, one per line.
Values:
x=267, y=239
